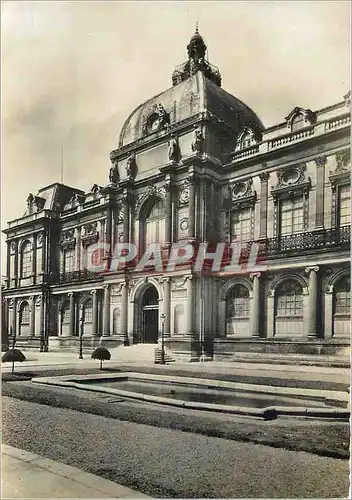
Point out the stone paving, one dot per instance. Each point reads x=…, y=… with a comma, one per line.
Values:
x=27, y=475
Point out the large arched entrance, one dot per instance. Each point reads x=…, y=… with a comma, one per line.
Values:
x=150, y=315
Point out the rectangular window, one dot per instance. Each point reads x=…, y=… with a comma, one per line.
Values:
x=344, y=206
x=291, y=216
x=241, y=225
x=69, y=260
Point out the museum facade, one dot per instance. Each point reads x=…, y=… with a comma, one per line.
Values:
x=195, y=165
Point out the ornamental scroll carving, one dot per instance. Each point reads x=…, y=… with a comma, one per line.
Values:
x=291, y=181
x=68, y=239
x=90, y=234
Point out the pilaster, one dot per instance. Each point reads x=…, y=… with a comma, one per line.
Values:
x=311, y=326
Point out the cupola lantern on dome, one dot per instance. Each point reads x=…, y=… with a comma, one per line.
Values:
x=196, y=50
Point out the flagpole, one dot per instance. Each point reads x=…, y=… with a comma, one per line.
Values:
x=62, y=164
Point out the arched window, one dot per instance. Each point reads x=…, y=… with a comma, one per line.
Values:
x=150, y=297
x=289, y=299
x=238, y=302
x=178, y=318
x=24, y=314
x=88, y=311
x=116, y=321
x=155, y=224
x=26, y=260
x=297, y=122
x=65, y=312
x=342, y=296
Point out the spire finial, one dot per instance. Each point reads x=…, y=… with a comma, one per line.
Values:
x=197, y=32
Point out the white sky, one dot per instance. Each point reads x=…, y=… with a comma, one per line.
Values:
x=73, y=71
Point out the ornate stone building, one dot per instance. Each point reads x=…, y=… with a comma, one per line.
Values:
x=195, y=164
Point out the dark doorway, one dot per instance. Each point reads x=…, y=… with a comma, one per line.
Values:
x=150, y=316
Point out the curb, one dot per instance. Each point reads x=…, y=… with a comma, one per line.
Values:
x=96, y=483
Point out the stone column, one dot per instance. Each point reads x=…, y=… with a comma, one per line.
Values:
x=166, y=308
x=108, y=227
x=191, y=208
x=312, y=301
x=34, y=259
x=254, y=319
x=42, y=317
x=16, y=266
x=72, y=313
x=8, y=265
x=124, y=312
x=14, y=310
x=328, y=313
x=32, y=319
x=168, y=214
x=78, y=248
x=95, y=312
x=189, y=306
x=264, y=177
x=106, y=311
x=319, y=192
x=126, y=219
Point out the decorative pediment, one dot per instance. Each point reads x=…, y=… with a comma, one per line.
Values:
x=308, y=117
x=151, y=192
x=156, y=119
x=76, y=200
x=240, y=194
x=291, y=181
x=247, y=137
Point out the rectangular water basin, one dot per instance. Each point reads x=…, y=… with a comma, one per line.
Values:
x=202, y=394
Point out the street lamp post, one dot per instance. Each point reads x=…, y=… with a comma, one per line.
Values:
x=162, y=359
x=81, y=337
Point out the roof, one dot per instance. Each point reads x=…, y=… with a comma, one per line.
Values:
x=194, y=95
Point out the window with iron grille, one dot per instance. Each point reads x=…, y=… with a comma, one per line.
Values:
x=88, y=311
x=291, y=216
x=26, y=260
x=65, y=312
x=342, y=297
x=24, y=314
x=238, y=302
x=69, y=260
x=241, y=225
x=155, y=224
x=344, y=206
x=289, y=299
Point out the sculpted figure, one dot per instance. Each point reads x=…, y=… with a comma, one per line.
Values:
x=174, y=150
x=131, y=166
x=114, y=174
x=198, y=139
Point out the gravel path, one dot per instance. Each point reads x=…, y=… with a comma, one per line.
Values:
x=162, y=462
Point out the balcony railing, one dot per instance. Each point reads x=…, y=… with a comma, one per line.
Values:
x=313, y=240
x=81, y=275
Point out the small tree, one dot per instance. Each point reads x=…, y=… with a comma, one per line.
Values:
x=13, y=355
x=102, y=354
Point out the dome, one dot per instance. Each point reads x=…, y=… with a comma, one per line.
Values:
x=195, y=94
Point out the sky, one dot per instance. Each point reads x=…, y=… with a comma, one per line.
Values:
x=72, y=72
